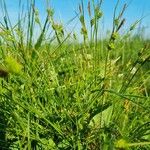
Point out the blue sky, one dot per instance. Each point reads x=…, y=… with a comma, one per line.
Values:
x=65, y=10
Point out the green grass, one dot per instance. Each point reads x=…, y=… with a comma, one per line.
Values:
x=56, y=93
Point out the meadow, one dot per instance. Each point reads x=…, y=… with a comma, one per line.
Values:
x=57, y=93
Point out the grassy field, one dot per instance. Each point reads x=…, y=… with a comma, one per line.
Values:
x=57, y=93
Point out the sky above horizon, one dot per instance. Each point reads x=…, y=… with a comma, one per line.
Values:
x=65, y=10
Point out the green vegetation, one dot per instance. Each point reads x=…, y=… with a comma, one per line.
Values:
x=58, y=94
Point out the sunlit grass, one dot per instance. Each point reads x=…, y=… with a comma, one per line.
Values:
x=57, y=94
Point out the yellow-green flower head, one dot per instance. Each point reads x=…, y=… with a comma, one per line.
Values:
x=121, y=144
x=111, y=46
x=12, y=65
x=115, y=35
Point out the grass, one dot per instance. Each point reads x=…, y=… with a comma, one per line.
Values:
x=57, y=93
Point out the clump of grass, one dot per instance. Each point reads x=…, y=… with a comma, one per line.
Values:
x=62, y=95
